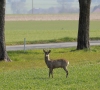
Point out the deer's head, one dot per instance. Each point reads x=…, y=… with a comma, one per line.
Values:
x=46, y=52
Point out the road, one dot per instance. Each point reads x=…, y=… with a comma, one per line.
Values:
x=43, y=46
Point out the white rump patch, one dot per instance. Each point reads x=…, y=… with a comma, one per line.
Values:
x=68, y=62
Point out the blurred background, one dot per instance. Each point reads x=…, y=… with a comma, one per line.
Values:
x=47, y=6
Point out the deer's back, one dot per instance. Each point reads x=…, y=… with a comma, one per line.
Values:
x=58, y=63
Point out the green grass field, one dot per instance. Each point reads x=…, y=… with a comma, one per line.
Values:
x=28, y=71
x=45, y=31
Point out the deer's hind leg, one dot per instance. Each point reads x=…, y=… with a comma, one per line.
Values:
x=65, y=68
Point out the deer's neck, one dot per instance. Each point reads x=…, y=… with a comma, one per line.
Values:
x=47, y=58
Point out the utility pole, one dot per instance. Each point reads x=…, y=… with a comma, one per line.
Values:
x=32, y=6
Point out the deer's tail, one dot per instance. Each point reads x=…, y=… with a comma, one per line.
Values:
x=68, y=62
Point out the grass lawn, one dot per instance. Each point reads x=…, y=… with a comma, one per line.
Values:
x=28, y=71
x=46, y=31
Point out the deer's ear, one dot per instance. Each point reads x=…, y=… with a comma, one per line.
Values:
x=43, y=50
x=49, y=51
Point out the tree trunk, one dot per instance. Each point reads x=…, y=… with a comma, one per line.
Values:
x=3, y=52
x=83, y=29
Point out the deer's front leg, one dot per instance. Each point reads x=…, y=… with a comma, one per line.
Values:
x=50, y=72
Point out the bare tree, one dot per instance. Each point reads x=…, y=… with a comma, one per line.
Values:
x=17, y=6
x=3, y=52
x=63, y=4
x=83, y=29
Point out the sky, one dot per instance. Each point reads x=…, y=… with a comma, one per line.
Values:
x=43, y=3
x=48, y=4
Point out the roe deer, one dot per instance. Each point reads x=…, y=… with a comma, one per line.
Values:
x=51, y=64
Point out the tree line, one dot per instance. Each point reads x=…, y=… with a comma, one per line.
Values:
x=63, y=6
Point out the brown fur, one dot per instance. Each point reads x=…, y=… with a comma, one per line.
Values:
x=52, y=64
